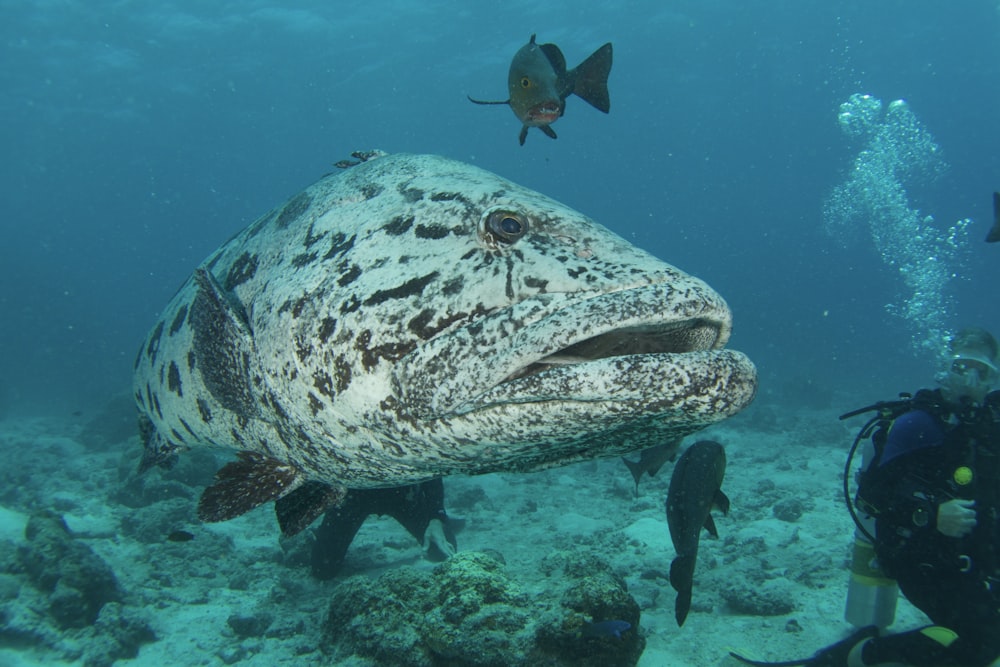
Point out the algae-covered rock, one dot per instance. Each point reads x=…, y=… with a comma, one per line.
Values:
x=469, y=611
x=77, y=581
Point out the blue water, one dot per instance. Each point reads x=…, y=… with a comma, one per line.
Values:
x=137, y=137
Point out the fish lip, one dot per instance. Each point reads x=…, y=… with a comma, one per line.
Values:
x=544, y=113
x=491, y=359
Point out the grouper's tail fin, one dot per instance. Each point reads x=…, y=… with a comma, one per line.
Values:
x=591, y=79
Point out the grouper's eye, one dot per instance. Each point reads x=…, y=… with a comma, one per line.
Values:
x=505, y=227
x=525, y=82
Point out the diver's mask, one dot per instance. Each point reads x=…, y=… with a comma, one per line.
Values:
x=969, y=375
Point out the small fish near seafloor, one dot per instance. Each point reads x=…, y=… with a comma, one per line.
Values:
x=413, y=317
x=694, y=491
x=539, y=83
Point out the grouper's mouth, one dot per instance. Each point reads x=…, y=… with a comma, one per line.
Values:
x=647, y=346
x=670, y=338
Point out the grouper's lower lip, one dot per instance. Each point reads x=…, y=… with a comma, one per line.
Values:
x=719, y=383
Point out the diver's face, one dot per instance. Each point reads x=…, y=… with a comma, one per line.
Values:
x=968, y=378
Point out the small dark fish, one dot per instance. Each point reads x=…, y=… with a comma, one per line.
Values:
x=180, y=536
x=539, y=84
x=694, y=491
x=994, y=234
x=605, y=629
x=651, y=460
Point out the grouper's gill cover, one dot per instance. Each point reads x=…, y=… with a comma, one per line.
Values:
x=414, y=317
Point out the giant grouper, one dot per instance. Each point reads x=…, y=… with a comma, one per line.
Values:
x=414, y=317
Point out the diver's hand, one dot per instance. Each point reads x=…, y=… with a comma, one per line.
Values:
x=956, y=518
x=435, y=536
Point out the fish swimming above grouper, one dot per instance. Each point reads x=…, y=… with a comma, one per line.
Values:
x=414, y=317
x=693, y=492
x=539, y=83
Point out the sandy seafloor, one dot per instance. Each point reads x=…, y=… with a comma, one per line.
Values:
x=783, y=549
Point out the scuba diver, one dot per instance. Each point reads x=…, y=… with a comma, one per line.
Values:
x=933, y=488
x=418, y=507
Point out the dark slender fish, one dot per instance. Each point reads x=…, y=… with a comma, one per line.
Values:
x=694, y=491
x=539, y=84
x=651, y=460
x=994, y=234
x=180, y=536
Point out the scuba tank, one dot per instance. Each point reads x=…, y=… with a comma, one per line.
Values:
x=871, y=595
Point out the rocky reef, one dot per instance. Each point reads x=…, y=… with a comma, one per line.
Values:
x=468, y=611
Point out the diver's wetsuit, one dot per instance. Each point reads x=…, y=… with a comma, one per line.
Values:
x=413, y=506
x=931, y=456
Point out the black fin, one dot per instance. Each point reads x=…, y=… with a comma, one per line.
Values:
x=710, y=526
x=524, y=135
x=721, y=502
x=634, y=467
x=243, y=484
x=681, y=579
x=302, y=506
x=223, y=345
x=548, y=131
x=994, y=234
x=555, y=58
x=156, y=450
x=590, y=79
x=475, y=101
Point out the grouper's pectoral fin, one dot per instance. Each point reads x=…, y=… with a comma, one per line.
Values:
x=223, y=345
x=302, y=506
x=241, y=485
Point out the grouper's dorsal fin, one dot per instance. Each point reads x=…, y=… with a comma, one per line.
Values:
x=223, y=345
x=302, y=506
x=241, y=485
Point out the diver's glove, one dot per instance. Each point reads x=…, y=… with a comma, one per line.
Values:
x=834, y=655
x=439, y=540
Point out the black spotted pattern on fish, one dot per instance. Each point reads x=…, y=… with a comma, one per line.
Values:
x=412, y=287
x=294, y=209
x=371, y=190
x=174, y=379
x=411, y=195
x=349, y=276
x=324, y=384
x=326, y=328
x=304, y=259
x=341, y=373
x=431, y=231
x=312, y=239
x=187, y=427
x=536, y=283
x=388, y=351
x=204, y=410
x=315, y=405
x=154, y=343
x=242, y=270
x=399, y=225
x=339, y=244
x=351, y=305
x=178, y=322
x=190, y=359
